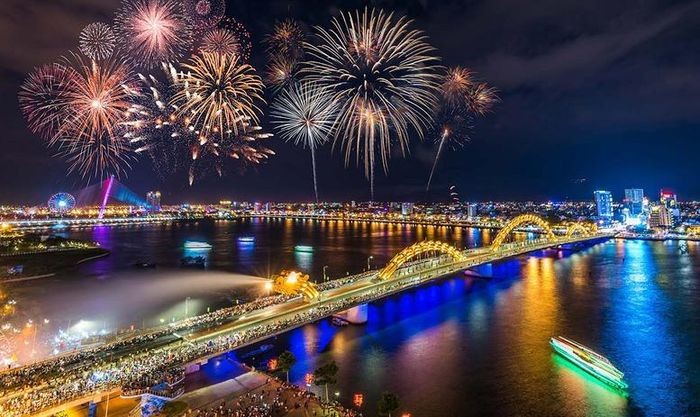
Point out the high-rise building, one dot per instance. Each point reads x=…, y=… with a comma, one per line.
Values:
x=660, y=217
x=634, y=201
x=604, y=206
x=406, y=209
x=153, y=200
x=471, y=211
x=668, y=199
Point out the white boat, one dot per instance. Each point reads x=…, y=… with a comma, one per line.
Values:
x=191, y=244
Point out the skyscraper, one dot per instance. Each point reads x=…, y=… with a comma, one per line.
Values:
x=668, y=199
x=634, y=201
x=153, y=200
x=604, y=206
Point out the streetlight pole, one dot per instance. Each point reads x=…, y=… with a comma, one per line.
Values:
x=325, y=278
x=369, y=259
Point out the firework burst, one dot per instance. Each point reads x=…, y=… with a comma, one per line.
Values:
x=287, y=39
x=155, y=128
x=463, y=97
x=281, y=72
x=153, y=31
x=204, y=14
x=45, y=99
x=243, y=146
x=97, y=41
x=91, y=137
x=217, y=94
x=221, y=41
x=305, y=115
x=482, y=98
x=241, y=35
x=456, y=85
x=384, y=78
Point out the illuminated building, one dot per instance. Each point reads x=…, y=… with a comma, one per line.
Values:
x=634, y=201
x=660, y=217
x=604, y=206
x=406, y=209
x=471, y=211
x=668, y=199
x=153, y=200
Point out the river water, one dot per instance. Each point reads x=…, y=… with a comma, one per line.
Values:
x=462, y=346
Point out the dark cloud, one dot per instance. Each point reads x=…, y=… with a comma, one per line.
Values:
x=604, y=90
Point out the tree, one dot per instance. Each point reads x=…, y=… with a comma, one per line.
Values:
x=326, y=375
x=388, y=403
x=286, y=361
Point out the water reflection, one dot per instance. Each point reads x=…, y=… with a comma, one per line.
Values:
x=473, y=346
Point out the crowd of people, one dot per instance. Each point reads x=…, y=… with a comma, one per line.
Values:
x=273, y=400
x=129, y=370
x=38, y=372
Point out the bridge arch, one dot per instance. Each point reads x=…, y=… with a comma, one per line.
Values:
x=518, y=221
x=418, y=249
x=585, y=230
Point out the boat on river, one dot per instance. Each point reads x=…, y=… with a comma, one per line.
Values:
x=594, y=363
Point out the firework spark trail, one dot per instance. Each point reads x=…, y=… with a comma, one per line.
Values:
x=243, y=146
x=462, y=96
x=281, y=72
x=286, y=40
x=456, y=86
x=385, y=79
x=482, y=98
x=243, y=45
x=153, y=31
x=305, y=115
x=154, y=127
x=90, y=138
x=218, y=94
x=45, y=100
x=97, y=41
x=221, y=41
x=204, y=14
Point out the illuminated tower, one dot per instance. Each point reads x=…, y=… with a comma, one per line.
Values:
x=604, y=206
x=634, y=201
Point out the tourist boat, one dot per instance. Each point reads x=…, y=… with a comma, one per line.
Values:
x=191, y=244
x=246, y=239
x=303, y=248
x=590, y=361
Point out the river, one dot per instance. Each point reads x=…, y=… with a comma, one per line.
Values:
x=462, y=346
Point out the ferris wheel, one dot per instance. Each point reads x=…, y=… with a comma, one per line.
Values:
x=61, y=202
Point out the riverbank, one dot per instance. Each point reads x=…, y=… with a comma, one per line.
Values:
x=39, y=265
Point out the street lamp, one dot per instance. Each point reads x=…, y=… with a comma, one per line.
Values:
x=369, y=259
x=325, y=278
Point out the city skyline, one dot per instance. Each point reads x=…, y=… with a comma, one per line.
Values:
x=590, y=112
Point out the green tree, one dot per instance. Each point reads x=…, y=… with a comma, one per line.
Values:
x=326, y=375
x=388, y=403
x=286, y=361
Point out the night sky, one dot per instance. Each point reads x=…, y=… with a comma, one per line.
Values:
x=595, y=94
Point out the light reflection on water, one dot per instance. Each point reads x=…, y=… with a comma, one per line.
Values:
x=475, y=347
